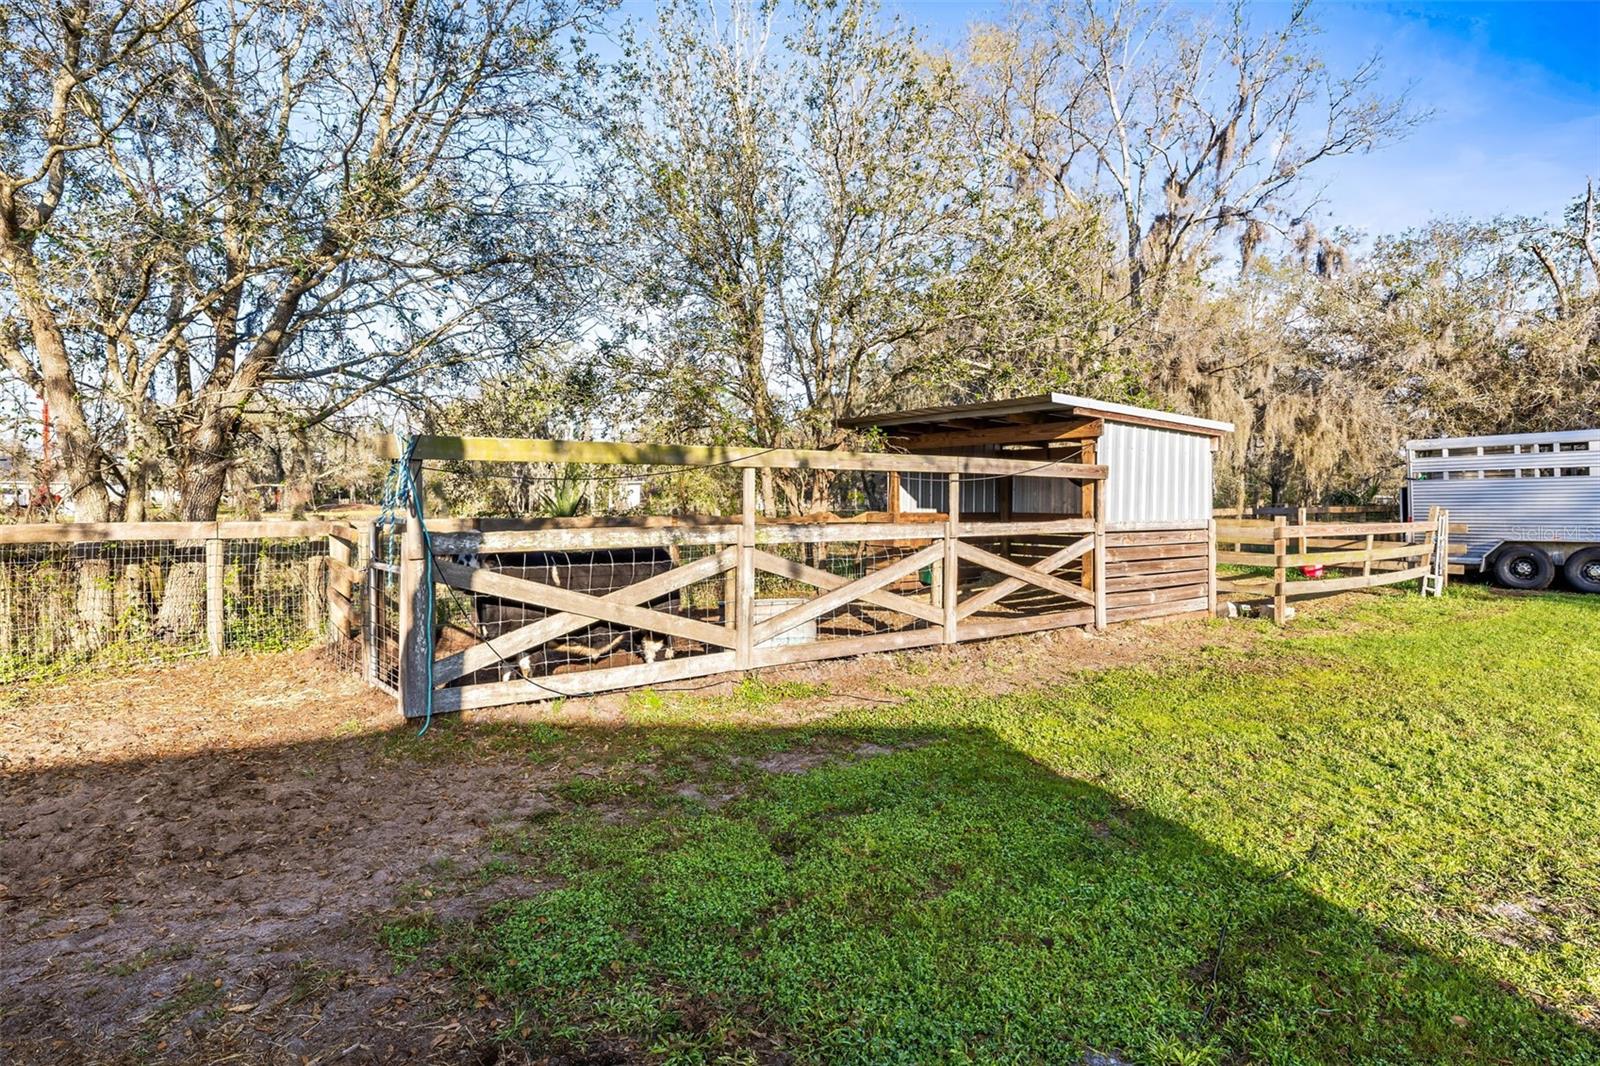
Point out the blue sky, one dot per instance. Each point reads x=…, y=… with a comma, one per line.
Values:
x=1515, y=88
x=1516, y=91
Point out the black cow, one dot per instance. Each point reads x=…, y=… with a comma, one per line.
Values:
x=595, y=573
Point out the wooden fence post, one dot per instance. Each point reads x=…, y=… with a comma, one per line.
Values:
x=340, y=595
x=745, y=581
x=373, y=596
x=1100, y=559
x=1211, y=567
x=952, y=584
x=1301, y=518
x=1280, y=578
x=215, y=628
x=1442, y=550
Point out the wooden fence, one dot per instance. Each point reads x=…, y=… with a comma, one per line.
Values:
x=583, y=606
x=81, y=594
x=1364, y=554
x=1300, y=514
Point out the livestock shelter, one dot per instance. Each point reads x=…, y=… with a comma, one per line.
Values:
x=975, y=522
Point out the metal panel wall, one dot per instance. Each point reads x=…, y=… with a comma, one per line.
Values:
x=1528, y=510
x=1155, y=475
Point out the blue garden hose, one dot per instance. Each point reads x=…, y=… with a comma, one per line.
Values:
x=400, y=494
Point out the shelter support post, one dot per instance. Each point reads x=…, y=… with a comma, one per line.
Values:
x=745, y=579
x=952, y=583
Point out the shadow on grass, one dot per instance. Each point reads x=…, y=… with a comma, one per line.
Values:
x=865, y=895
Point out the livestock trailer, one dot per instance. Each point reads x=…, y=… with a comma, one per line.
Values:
x=1531, y=502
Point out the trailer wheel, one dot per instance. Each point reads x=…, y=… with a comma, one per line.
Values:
x=1522, y=566
x=1583, y=570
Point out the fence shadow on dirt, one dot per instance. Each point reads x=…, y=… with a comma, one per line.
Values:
x=853, y=892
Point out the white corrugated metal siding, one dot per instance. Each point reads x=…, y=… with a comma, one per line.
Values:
x=1531, y=510
x=1155, y=475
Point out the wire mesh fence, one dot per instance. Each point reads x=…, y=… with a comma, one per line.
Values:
x=119, y=603
x=504, y=628
x=829, y=565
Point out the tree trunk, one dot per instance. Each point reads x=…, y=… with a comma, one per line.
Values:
x=81, y=456
x=298, y=484
x=182, y=612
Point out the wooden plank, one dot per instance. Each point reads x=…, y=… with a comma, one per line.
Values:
x=1157, y=536
x=1002, y=565
x=987, y=629
x=505, y=524
x=1015, y=434
x=580, y=683
x=1357, y=529
x=99, y=532
x=1036, y=432
x=776, y=564
x=1156, y=581
x=275, y=530
x=1211, y=568
x=1155, y=566
x=546, y=629
x=779, y=654
x=1156, y=551
x=1253, y=532
x=1196, y=606
x=415, y=647
x=832, y=532
x=1328, y=586
x=493, y=583
x=1245, y=558
x=1399, y=551
x=102, y=532
x=1135, y=598
x=1043, y=527
x=1000, y=590
x=341, y=576
x=521, y=450
x=835, y=598
x=593, y=539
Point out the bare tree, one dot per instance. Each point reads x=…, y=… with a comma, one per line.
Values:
x=1184, y=125
x=217, y=215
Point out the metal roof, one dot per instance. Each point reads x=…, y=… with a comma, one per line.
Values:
x=1048, y=402
x=1557, y=437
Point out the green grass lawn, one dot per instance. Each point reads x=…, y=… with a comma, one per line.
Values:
x=1374, y=838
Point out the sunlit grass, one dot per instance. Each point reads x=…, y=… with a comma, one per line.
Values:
x=1371, y=839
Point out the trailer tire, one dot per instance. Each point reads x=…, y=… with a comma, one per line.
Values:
x=1524, y=567
x=1583, y=570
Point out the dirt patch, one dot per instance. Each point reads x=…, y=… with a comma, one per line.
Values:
x=196, y=860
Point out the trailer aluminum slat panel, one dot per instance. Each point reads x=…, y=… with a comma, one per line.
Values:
x=1561, y=513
